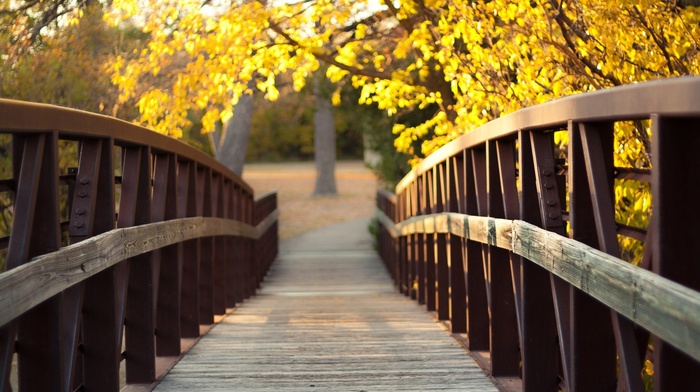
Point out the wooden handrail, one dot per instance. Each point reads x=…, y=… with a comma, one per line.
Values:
x=665, y=308
x=28, y=285
x=669, y=97
x=517, y=242
x=30, y=117
x=123, y=243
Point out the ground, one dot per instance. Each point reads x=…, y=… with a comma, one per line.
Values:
x=299, y=210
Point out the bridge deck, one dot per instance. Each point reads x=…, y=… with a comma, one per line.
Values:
x=327, y=318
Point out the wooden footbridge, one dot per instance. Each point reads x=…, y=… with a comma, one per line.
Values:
x=135, y=262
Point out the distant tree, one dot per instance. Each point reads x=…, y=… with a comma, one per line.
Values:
x=231, y=146
x=65, y=68
x=324, y=141
x=26, y=23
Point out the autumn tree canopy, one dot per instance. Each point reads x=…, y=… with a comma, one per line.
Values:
x=461, y=63
x=56, y=51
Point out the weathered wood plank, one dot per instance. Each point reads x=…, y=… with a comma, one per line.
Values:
x=665, y=308
x=328, y=320
x=30, y=284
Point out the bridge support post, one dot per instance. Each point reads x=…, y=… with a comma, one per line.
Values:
x=458, y=293
x=478, y=308
x=35, y=231
x=187, y=207
x=135, y=209
x=593, y=356
x=168, y=260
x=505, y=355
x=540, y=344
x=675, y=147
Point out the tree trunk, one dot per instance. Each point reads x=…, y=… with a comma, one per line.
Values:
x=324, y=144
x=234, y=141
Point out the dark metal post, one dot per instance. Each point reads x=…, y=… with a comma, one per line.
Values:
x=675, y=192
x=442, y=273
x=458, y=294
x=539, y=347
x=219, y=266
x=91, y=213
x=505, y=355
x=35, y=231
x=187, y=207
x=135, y=209
x=170, y=261
x=429, y=242
x=593, y=361
x=477, y=286
x=206, y=262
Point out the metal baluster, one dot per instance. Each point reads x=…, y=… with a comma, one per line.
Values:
x=458, y=294
x=187, y=207
x=675, y=192
x=135, y=209
x=539, y=349
x=477, y=285
x=505, y=355
x=594, y=363
x=170, y=261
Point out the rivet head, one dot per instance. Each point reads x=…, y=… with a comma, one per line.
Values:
x=80, y=211
x=548, y=185
x=551, y=202
x=84, y=181
x=78, y=224
x=553, y=215
x=82, y=193
x=546, y=172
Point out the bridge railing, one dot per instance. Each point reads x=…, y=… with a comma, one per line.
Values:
x=119, y=243
x=516, y=242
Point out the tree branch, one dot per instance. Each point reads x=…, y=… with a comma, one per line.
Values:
x=23, y=8
x=660, y=42
x=576, y=56
x=405, y=23
x=329, y=59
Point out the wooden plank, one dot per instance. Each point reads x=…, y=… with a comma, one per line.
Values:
x=24, y=287
x=327, y=320
x=666, y=309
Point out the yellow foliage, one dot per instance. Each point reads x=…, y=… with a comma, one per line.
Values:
x=335, y=98
x=466, y=61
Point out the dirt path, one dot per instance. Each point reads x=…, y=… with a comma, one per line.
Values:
x=299, y=210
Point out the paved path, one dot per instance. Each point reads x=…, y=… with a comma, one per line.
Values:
x=327, y=318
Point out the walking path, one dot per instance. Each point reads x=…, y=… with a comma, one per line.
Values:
x=327, y=318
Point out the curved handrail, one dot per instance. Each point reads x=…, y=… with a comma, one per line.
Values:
x=665, y=308
x=30, y=284
x=668, y=97
x=553, y=310
x=142, y=217
x=21, y=116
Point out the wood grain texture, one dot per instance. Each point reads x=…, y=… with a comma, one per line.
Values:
x=667, y=309
x=486, y=230
x=327, y=318
x=30, y=284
